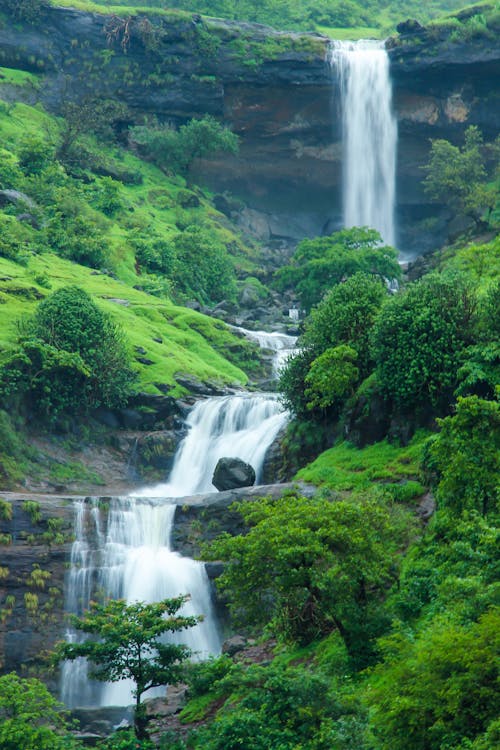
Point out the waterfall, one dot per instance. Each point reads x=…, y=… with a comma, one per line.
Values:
x=131, y=559
x=241, y=426
x=282, y=344
x=369, y=135
x=123, y=550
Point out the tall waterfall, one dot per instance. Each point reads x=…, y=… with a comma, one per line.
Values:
x=124, y=551
x=369, y=135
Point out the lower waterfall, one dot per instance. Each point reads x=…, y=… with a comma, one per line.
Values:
x=122, y=545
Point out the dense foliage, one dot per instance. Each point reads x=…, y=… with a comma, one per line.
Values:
x=458, y=176
x=176, y=150
x=309, y=565
x=71, y=358
x=418, y=339
x=30, y=717
x=320, y=263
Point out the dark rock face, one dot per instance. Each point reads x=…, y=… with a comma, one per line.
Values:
x=231, y=473
x=278, y=93
x=35, y=540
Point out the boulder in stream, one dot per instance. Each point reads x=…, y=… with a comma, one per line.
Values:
x=231, y=473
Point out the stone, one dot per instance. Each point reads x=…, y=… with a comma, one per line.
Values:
x=410, y=26
x=231, y=473
x=233, y=645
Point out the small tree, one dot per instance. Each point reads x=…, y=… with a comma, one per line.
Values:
x=128, y=645
x=457, y=176
x=71, y=358
x=320, y=263
x=465, y=455
x=176, y=150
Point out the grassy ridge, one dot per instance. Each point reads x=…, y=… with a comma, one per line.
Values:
x=176, y=339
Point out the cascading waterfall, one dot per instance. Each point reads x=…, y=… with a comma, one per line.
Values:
x=242, y=426
x=369, y=135
x=124, y=551
x=132, y=559
x=282, y=344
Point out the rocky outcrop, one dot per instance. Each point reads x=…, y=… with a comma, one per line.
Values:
x=35, y=538
x=231, y=473
x=277, y=91
x=36, y=534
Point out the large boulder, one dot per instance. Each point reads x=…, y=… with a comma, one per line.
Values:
x=231, y=473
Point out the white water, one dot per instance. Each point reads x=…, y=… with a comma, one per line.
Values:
x=242, y=426
x=369, y=135
x=132, y=560
x=282, y=344
x=130, y=557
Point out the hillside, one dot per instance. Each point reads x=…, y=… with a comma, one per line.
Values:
x=184, y=293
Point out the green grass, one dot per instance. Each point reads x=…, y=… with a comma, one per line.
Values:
x=18, y=77
x=345, y=467
x=183, y=349
x=176, y=340
x=120, y=10
x=360, y=32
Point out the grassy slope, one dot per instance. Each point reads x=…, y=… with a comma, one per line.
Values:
x=345, y=467
x=191, y=342
x=188, y=338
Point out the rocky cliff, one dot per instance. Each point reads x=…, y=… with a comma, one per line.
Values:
x=36, y=534
x=278, y=92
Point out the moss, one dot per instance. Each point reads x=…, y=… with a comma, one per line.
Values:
x=345, y=467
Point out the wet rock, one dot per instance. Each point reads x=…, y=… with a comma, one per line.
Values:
x=231, y=473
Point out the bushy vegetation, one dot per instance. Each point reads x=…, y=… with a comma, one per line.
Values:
x=319, y=264
x=71, y=359
x=305, y=14
x=175, y=150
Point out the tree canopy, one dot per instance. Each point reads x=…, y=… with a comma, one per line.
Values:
x=126, y=643
x=30, y=717
x=319, y=264
x=71, y=357
x=310, y=565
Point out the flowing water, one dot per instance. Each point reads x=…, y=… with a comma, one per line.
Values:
x=124, y=551
x=369, y=135
x=282, y=344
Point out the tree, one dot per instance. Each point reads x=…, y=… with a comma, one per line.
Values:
x=319, y=264
x=346, y=316
x=331, y=377
x=71, y=358
x=202, y=268
x=418, y=338
x=465, y=457
x=31, y=718
x=341, y=324
x=457, y=176
x=176, y=150
x=126, y=643
x=308, y=566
